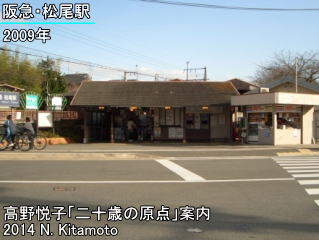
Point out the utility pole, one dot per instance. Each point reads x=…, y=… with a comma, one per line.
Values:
x=187, y=64
x=296, y=77
x=205, y=74
x=196, y=69
x=136, y=72
x=132, y=73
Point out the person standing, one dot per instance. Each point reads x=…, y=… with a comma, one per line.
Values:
x=131, y=127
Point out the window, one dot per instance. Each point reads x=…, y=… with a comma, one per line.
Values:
x=170, y=117
x=288, y=120
x=197, y=121
x=204, y=121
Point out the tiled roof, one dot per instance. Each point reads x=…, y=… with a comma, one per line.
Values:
x=153, y=94
x=301, y=82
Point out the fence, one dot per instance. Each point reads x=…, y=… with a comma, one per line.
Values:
x=20, y=115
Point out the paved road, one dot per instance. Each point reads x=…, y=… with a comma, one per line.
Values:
x=249, y=198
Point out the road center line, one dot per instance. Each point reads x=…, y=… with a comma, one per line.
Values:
x=180, y=171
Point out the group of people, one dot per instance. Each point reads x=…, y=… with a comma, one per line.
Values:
x=11, y=130
x=138, y=128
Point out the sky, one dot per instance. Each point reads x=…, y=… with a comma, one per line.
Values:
x=160, y=39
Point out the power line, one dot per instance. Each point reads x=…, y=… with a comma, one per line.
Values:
x=102, y=44
x=71, y=60
x=212, y=6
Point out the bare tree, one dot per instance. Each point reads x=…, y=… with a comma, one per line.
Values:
x=283, y=64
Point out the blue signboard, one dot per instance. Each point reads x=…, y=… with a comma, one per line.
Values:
x=9, y=99
x=31, y=101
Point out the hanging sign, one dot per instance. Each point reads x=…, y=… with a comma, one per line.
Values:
x=31, y=101
x=56, y=103
x=9, y=99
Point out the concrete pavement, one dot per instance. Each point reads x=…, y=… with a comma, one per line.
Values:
x=249, y=197
x=140, y=151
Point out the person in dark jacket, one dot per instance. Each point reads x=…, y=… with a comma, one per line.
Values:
x=10, y=130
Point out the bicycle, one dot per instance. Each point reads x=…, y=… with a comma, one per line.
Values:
x=20, y=141
x=39, y=142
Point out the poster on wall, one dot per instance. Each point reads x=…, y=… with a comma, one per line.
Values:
x=162, y=116
x=45, y=120
x=171, y=133
x=31, y=101
x=175, y=133
x=18, y=115
x=179, y=133
x=157, y=132
x=170, y=117
x=156, y=117
x=197, y=121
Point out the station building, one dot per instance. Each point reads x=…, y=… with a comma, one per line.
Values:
x=195, y=111
x=174, y=110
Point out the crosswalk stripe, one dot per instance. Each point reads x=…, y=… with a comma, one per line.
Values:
x=306, y=161
x=308, y=182
x=299, y=164
x=302, y=167
x=295, y=157
x=308, y=167
x=312, y=191
x=303, y=171
x=307, y=175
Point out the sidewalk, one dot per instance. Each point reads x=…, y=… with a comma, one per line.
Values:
x=144, y=151
x=175, y=147
x=147, y=151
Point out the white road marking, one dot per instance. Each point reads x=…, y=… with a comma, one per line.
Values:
x=312, y=191
x=299, y=164
x=180, y=171
x=220, y=158
x=151, y=181
x=304, y=168
x=306, y=175
x=101, y=157
x=306, y=161
x=293, y=158
x=303, y=171
x=308, y=167
x=308, y=182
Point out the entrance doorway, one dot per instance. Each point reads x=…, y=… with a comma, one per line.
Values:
x=133, y=124
x=99, y=126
